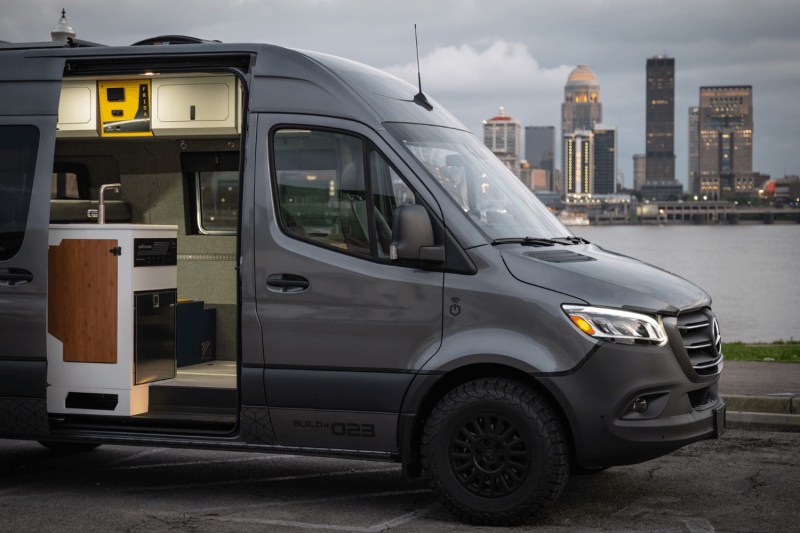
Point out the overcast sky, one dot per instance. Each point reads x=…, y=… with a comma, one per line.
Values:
x=478, y=55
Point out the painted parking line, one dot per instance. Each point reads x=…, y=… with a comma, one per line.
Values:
x=377, y=528
x=135, y=456
x=314, y=501
x=395, y=522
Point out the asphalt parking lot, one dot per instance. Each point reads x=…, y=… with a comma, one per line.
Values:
x=746, y=481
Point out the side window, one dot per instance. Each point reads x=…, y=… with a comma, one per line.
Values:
x=321, y=188
x=214, y=179
x=18, y=149
x=330, y=193
x=218, y=197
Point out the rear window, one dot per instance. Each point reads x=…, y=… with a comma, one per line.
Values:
x=18, y=148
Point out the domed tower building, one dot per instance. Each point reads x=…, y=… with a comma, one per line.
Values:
x=580, y=112
x=581, y=109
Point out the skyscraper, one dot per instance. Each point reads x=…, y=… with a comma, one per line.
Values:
x=579, y=162
x=580, y=112
x=660, y=120
x=605, y=160
x=581, y=109
x=502, y=135
x=726, y=138
x=694, y=150
x=639, y=171
x=540, y=149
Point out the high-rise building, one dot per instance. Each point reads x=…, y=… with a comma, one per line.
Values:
x=579, y=162
x=502, y=135
x=605, y=160
x=726, y=138
x=694, y=150
x=639, y=171
x=540, y=149
x=581, y=109
x=660, y=120
x=580, y=112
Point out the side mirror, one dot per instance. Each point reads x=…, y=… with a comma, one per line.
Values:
x=412, y=236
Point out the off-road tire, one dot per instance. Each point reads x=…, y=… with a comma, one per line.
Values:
x=495, y=453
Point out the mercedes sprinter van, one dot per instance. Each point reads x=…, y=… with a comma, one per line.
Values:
x=247, y=247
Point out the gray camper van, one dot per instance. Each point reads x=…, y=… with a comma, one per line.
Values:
x=245, y=247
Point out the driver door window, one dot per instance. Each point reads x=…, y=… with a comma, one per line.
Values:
x=330, y=194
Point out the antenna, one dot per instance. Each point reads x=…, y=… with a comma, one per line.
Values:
x=420, y=97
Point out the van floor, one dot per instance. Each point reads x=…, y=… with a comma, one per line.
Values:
x=203, y=393
x=214, y=374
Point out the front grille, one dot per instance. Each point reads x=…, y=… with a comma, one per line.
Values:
x=700, y=334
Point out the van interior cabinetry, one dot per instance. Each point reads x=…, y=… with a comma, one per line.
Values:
x=77, y=109
x=111, y=316
x=206, y=105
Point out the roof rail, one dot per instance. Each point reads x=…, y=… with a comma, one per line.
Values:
x=173, y=39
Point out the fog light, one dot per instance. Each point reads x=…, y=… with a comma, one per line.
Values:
x=639, y=405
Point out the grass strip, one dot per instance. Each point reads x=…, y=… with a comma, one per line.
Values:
x=777, y=352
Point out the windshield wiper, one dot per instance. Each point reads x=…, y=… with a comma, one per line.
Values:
x=570, y=240
x=528, y=241
x=540, y=241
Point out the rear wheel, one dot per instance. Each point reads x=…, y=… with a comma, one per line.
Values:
x=495, y=452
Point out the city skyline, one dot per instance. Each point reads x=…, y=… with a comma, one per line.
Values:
x=476, y=57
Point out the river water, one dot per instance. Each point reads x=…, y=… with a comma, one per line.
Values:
x=751, y=271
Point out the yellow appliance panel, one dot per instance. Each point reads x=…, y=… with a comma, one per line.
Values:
x=124, y=108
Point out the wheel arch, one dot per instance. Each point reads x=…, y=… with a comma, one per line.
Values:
x=426, y=391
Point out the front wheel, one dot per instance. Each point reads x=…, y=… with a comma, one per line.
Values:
x=495, y=452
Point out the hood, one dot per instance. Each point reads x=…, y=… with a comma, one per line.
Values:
x=603, y=278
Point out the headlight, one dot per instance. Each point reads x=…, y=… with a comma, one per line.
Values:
x=615, y=325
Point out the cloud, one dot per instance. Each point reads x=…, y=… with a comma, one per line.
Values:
x=507, y=66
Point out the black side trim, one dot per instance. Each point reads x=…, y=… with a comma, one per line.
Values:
x=337, y=391
x=256, y=426
x=340, y=369
x=24, y=417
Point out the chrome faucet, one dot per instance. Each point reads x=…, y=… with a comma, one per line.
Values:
x=101, y=207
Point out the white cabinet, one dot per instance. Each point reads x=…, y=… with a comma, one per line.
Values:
x=207, y=105
x=77, y=109
x=96, y=272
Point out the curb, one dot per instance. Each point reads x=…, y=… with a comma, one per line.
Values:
x=765, y=413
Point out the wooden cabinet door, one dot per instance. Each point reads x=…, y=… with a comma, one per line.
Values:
x=82, y=299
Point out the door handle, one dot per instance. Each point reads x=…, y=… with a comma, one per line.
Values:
x=15, y=276
x=287, y=283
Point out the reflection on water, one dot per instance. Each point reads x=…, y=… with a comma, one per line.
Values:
x=752, y=272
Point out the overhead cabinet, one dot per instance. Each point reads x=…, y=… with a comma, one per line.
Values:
x=206, y=105
x=162, y=106
x=77, y=109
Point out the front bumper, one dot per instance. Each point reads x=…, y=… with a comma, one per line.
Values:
x=599, y=398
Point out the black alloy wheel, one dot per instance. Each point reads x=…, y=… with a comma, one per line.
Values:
x=490, y=456
x=495, y=452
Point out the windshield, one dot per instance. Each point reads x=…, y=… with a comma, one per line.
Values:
x=476, y=180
